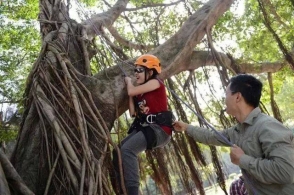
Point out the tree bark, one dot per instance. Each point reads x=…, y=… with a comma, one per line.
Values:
x=4, y=188
x=10, y=173
x=64, y=136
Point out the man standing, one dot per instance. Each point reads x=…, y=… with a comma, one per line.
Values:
x=263, y=147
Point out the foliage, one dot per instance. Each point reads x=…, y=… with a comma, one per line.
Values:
x=19, y=45
x=282, y=92
x=8, y=135
x=284, y=98
x=251, y=35
x=145, y=2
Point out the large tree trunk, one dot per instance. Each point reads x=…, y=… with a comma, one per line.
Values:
x=64, y=138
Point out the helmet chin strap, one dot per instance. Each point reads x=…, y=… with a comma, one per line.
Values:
x=149, y=76
x=146, y=69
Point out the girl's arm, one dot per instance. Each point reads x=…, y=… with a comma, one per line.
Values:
x=131, y=106
x=140, y=89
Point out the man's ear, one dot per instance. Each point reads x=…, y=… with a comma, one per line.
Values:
x=239, y=96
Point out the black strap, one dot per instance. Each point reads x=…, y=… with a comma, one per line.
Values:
x=165, y=118
x=149, y=136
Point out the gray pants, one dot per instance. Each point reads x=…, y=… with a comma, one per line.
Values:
x=131, y=146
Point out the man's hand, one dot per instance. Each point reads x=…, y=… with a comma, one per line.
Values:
x=236, y=153
x=180, y=126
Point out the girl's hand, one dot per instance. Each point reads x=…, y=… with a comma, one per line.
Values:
x=128, y=80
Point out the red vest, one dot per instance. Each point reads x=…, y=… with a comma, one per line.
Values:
x=153, y=102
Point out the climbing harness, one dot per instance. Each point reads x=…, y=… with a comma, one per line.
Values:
x=161, y=118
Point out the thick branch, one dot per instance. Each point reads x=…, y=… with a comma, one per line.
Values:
x=4, y=189
x=127, y=43
x=105, y=19
x=116, y=93
x=261, y=67
x=176, y=52
x=175, y=55
x=154, y=5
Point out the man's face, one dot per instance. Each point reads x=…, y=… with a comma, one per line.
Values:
x=230, y=101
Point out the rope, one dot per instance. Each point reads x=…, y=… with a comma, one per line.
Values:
x=198, y=115
x=215, y=131
x=103, y=40
x=124, y=74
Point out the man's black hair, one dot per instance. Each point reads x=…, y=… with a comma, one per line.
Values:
x=249, y=86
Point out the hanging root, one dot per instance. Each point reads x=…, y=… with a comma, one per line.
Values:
x=9, y=173
x=76, y=138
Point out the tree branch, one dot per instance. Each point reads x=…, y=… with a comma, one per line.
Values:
x=127, y=43
x=105, y=19
x=176, y=52
x=4, y=189
x=274, y=13
x=282, y=47
x=154, y=5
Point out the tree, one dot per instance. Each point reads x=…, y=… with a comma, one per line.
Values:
x=64, y=140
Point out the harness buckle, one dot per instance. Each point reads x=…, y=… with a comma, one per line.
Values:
x=150, y=119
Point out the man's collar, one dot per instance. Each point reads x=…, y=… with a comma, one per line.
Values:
x=249, y=120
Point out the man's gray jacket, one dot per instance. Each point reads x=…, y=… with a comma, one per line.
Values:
x=268, y=163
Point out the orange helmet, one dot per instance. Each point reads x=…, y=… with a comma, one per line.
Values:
x=149, y=61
